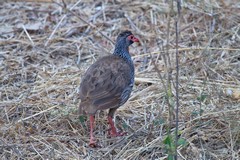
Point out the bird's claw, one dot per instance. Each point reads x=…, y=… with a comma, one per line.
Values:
x=92, y=143
x=113, y=133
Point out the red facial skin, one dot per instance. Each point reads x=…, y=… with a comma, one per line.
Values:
x=132, y=38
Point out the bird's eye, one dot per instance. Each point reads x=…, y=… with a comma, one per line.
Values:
x=130, y=37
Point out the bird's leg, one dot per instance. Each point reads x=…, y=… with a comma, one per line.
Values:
x=92, y=142
x=113, y=130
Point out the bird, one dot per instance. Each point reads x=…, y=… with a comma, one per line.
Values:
x=108, y=83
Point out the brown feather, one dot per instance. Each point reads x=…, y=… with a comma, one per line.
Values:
x=103, y=84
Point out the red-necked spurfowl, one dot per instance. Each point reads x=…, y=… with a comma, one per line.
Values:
x=107, y=84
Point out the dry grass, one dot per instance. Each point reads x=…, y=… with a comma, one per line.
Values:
x=45, y=49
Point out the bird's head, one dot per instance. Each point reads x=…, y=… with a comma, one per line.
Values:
x=126, y=37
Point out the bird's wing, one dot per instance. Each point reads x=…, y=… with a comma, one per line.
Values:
x=105, y=82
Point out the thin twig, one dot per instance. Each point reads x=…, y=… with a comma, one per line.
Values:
x=28, y=35
x=34, y=115
x=59, y=23
x=177, y=75
x=90, y=24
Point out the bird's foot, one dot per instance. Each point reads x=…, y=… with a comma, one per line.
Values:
x=92, y=143
x=114, y=133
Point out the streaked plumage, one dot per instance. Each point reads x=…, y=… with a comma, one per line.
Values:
x=107, y=84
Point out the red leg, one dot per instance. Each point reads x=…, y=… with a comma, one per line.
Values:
x=92, y=142
x=113, y=131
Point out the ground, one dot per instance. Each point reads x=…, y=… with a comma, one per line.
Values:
x=47, y=46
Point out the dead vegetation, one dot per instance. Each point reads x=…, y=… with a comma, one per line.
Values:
x=45, y=49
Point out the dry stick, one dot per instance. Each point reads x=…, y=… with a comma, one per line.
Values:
x=190, y=49
x=46, y=110
x=167, y=62
x=159, y=73
x=45, y=143
x=79, y=54
x=168, y=39
x=177, y=75
x=169, y=70
x=90, y=24
x=213, y=115
x=231, y=139
x=36, y=151
x=131, y=23
x=55, y=29
x=28, y=35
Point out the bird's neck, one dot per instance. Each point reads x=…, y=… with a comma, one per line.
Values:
x=121, y=50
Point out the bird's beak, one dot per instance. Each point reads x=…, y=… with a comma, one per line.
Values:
x=134, y=39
